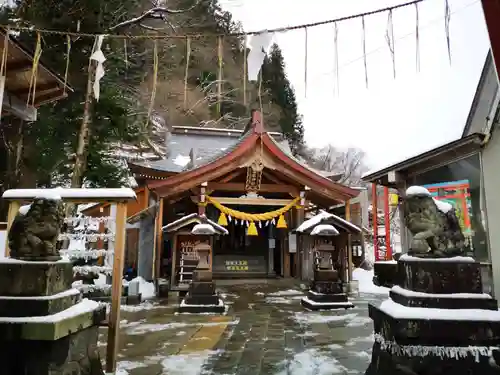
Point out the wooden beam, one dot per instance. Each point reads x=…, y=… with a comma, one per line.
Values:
x=38, y=89
x=231, y=176
x=50, y=97
x=18, y=66
x=116, y=288
x=253, y=201
x=18, y=108
x=266, y=188
x=274, y=179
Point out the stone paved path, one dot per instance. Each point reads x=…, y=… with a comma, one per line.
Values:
x=265, y=331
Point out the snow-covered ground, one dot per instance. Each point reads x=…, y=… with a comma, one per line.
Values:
x=365, y=280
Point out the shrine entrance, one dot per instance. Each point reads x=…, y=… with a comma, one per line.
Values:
x=239, y=255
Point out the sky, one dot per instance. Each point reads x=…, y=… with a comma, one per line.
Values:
x=394, y=118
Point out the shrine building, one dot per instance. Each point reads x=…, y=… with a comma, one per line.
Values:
x=246, y=181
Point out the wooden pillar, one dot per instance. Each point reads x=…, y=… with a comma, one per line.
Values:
x=202, y=204
x=116, y=288
x=13, y=209
x=286, y=255
x=387, y=225
x=157, y=258
x=349, y=249
x=374, y=221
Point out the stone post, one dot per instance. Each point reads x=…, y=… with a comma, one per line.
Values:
x=46, y=328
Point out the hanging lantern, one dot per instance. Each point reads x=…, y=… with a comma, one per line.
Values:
x=281, y=222
x=222, y=219
x=252, y=230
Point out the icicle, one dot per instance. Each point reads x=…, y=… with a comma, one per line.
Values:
x=389, y=37
x=447, y=15
x=186, y=71
x=336, y=57
x=364, y=50
x=417, y=39
x=305, y=63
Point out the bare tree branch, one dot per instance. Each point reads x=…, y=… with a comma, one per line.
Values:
x=153, y=13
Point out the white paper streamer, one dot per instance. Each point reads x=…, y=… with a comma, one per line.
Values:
x=99, y=57
x=259, y=46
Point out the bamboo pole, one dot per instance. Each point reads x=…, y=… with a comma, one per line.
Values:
x=116, y=287
x=13, y=209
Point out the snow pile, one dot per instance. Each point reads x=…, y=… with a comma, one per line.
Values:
x=365, y=282
x=146, y=289
x=317, y=318
x=417, y=190
x=313, y=362
x=324, y=230
x=443, y=206
x=123, y=367
x=203, y=229
x=187, y=364
x=146, y=305
x=288, y=292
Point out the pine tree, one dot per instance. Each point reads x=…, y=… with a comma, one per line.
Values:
x=278, y=90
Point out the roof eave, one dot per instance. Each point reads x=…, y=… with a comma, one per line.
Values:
x=462, y=147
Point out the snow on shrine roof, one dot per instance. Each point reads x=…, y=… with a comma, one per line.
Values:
x=324, y=230
x=324, y=216
x=207, y=144
x=190, y=219
x=82, y=194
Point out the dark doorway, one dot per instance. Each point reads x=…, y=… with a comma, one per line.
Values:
x=277, y=257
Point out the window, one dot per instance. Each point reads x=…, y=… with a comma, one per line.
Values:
x=459, y=183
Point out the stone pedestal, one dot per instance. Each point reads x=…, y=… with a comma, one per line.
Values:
x=385, y=273
x=327, y=289
x=201, y=296
x=436, y=321
x=45, y=326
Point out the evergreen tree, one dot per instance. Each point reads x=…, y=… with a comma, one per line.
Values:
x=278, y=90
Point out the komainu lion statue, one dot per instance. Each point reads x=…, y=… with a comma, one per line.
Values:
x=35, y=230
x=433, y=224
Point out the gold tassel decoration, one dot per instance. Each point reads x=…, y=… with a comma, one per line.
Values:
x=252, y=230
x=186, y=71
x=66, y=71
x=281, y=222
x=222, y=219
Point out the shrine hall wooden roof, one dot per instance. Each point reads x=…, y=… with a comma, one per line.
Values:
x=225, y=161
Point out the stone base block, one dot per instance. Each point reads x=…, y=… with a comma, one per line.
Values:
x=202, y=287
x=28, y=279
x=385, y=273
x=327, y=287
x=202, y=275
x=313, y=305
x=217, y=308
x=430, y=346
x=38, y=306
x=53, y=327
x=440, y=276
x=76, y=353
x=201, y=299
x=319, y=297
x=326, y=275
x=443, y=301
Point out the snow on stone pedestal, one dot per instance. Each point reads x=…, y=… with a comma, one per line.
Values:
x=436, y=321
